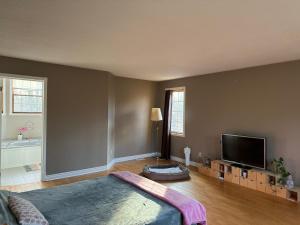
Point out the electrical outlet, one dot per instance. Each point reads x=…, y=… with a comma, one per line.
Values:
x=199, y=154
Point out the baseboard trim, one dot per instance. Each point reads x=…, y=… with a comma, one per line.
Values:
x=134, y=157
x=87, y=171
x=175, y=158
x=82, y=172
x=74, y=173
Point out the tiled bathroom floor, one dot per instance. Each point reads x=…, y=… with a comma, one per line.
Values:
x=18, y=175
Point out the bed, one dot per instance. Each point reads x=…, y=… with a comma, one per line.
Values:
x=107, y=200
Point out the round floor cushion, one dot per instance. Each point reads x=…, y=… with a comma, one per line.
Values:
x=169, y=172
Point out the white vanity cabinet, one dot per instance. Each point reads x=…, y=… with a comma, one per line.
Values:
x=17, y=157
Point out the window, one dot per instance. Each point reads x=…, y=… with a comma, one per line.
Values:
x=177, y=120
x=27, y=96
x=2, y=94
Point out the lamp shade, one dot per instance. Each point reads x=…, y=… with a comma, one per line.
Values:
x=156, y=114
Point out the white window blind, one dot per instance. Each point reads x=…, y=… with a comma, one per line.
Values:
x=27, y=96
x=177, y=120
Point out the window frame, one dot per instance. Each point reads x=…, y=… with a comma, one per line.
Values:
x=3, y=96
x=12, y=112
x=179, y=89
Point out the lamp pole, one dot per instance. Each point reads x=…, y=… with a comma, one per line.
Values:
x=156, y=117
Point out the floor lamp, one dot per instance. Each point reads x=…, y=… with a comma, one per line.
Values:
x=156, y=117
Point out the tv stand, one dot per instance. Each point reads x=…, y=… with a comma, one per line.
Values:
x=259, y=180
x=241, y=166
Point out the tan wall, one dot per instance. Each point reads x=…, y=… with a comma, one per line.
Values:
x=260, y=101
x=84, y=106
x=92, y=116
x=133, y=128
x=111, y=118
x=76, y=113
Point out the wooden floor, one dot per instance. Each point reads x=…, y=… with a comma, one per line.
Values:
x=226, y=204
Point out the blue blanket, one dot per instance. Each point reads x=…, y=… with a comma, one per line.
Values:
x=102, y=201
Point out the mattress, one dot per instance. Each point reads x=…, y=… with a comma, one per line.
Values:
x=102, y=201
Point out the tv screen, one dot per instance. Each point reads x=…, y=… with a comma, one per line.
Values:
x=248, y=151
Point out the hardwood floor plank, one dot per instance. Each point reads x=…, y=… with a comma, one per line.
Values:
x=226, y=203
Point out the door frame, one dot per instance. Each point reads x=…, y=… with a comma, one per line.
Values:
x=44, y=114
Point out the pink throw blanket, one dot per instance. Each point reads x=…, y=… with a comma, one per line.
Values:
x=193, y=212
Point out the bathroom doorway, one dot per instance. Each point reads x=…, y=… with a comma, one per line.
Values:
x=22, y=129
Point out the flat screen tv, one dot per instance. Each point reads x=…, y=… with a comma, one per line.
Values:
x=244, y=150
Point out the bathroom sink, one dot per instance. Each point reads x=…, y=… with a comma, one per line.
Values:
x=21, y=143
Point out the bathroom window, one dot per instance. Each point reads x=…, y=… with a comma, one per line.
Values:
x=27, y=96
x=177, y=119
x=2, y=95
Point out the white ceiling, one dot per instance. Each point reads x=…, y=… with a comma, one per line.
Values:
x=152, y=39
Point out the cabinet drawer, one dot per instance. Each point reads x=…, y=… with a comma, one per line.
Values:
x=235, y=179
x=244, y=182
x=32, y=155
x=252, y=174
x=261, y=178
x=251, y=184
x=214, y=173
x=228, y=177
x=281, y=192
x=204, y=170
x=215, y=165
x=261, y=186
x=271, y=189
x=236, y=171
x=13, y=157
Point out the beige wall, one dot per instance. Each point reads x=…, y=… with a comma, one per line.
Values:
x=111, y=118
x=76, y=113
x=133, y=128
x=92, y=116
x=260, y=101
x=11, y=123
